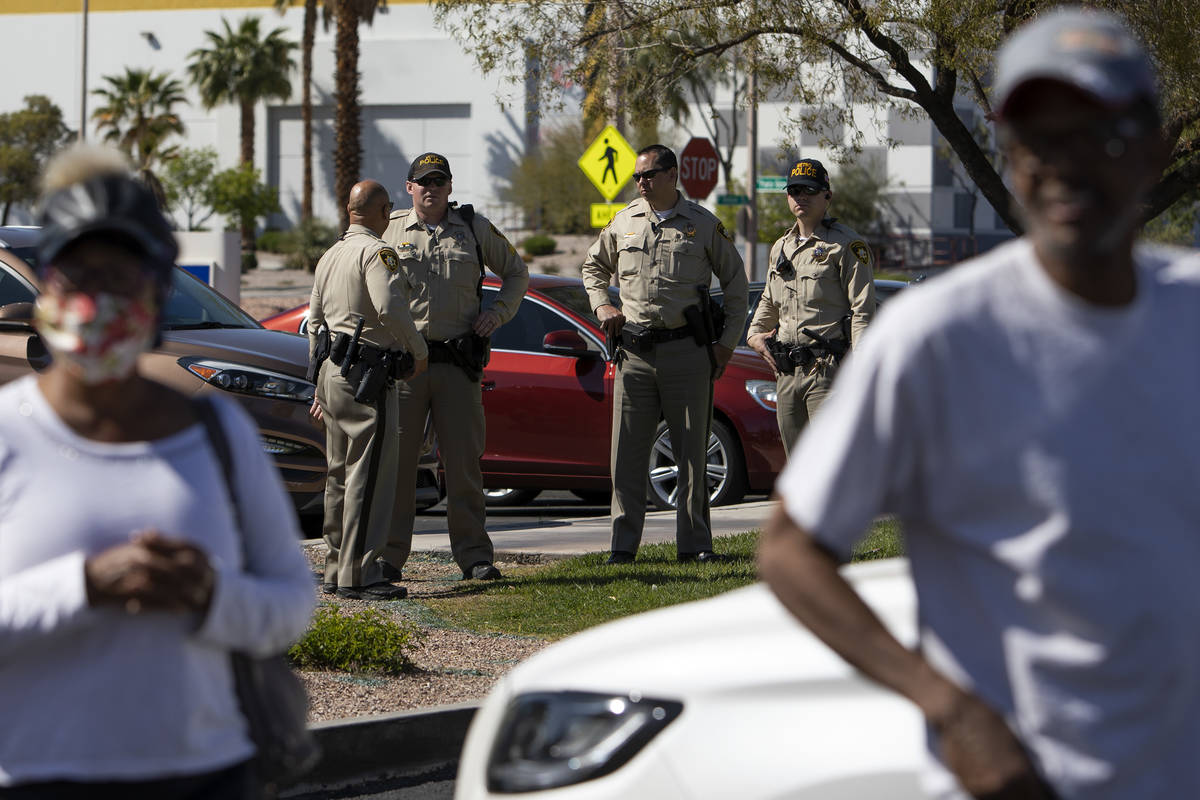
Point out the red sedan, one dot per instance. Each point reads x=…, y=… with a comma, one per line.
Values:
x=548, y=392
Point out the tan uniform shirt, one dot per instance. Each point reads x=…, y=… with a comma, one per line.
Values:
x=360, y=275
x=443, y=271
x=817, y=283
x=659, y=265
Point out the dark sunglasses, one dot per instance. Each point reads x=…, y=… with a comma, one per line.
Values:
x=433, y=180
x=648, y=174
x=797, y=191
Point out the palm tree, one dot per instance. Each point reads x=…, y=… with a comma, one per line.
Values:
x=306, y=51
x=138, y=117
x=242, y=67
x=347, y=124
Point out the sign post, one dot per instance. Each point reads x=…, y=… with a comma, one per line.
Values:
x=699, y=168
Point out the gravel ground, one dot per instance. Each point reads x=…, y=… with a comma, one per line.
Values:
x=451, y=666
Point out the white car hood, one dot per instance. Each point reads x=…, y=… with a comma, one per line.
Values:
x=744, y=639
x=769, y=712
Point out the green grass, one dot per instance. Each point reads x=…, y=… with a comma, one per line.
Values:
x=568, y=596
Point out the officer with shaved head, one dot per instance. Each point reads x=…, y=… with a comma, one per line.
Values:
x=359, y=327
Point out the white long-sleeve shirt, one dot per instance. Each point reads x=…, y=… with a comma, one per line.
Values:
x=95, y=693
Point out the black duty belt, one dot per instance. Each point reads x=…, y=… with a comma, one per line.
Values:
x=439, y=353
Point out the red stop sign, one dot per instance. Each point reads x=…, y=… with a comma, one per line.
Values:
x=698, y=168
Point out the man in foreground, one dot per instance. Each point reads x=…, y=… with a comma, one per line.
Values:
x=1048, y=496
x=663, y=250
x=361, y=298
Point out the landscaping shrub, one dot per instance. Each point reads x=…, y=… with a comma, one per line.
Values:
x=539, y=245
x=365, y=641
x=272, y=241
x=307, y=242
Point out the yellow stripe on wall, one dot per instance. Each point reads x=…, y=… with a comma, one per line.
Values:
x=76, y=6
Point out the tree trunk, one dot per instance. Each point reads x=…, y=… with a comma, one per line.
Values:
x=310, y=28
x=247, y=157
x=347, y=149
x=4, y=215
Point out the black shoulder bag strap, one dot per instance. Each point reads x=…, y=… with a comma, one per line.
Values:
x=467, y=212
x=271, y=697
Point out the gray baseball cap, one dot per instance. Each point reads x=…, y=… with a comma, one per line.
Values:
x=1092, y=51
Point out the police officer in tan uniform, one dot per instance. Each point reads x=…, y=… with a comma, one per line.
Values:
x=661, y=248
x=358, y=280
x=820, y=280
x=440, y=257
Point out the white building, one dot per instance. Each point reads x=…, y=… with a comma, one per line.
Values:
x=419, y=92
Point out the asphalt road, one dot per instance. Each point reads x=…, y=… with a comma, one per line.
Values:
x=436, y=785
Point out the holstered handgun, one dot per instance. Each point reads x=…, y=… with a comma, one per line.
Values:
x=635, y=337
x=320, y=353
x=471, y=353
x=836, y=348
x=374, y=376
x=352, y=349
x=700, y=319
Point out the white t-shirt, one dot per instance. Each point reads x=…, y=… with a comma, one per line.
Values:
x=94, y=693
x=1043, y=455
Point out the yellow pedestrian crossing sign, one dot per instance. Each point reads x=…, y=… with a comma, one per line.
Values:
x=608, y=162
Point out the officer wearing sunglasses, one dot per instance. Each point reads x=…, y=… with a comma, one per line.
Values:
x=819, y=297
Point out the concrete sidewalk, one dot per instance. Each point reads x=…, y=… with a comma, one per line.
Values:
x=555, y=535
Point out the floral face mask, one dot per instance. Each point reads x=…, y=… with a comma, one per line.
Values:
x=96, y=336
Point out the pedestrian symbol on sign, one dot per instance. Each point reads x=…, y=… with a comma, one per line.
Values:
x=608, y=162
x=610, y=154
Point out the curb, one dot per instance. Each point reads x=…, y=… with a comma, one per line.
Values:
x=357, y=749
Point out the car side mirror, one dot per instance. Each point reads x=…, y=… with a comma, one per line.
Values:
x=16, y=316
x=567, y=343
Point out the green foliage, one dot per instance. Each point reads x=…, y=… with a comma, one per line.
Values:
x=242, y=66
x=240, y=193
x=774, y=216
x=857, y=198
x=550, y=187
x=307, y=242
x=834, y=65
x=1177, y=225
x=272, y=241
x=28, y=137
x=539, y=245
x=188, y=183
x=366, y=641
x=138, y=116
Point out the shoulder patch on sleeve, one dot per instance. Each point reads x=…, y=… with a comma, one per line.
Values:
x=389, y=258
x=861, y=251
x=721, y=230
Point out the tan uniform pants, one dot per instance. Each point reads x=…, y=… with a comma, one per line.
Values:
x=672, y=382
x=360, y=445
x=457, y=406
x=797, y=399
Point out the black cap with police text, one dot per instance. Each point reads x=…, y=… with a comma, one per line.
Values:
x=427, y=164
x=808, y=172
x=112, y=204
x=1091, y=51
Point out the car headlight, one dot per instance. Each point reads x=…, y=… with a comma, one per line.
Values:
x=243, y=379
x=552, y=739
x=763, y=393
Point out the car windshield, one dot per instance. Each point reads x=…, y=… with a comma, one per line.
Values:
x=192, y=305
x=26, y=254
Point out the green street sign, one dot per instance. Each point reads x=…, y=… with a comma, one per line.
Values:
x=733, y=200
x=771, y=183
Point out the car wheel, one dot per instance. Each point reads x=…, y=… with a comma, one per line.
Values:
x=726, y=472
x=510, y=497
x=594, y=497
